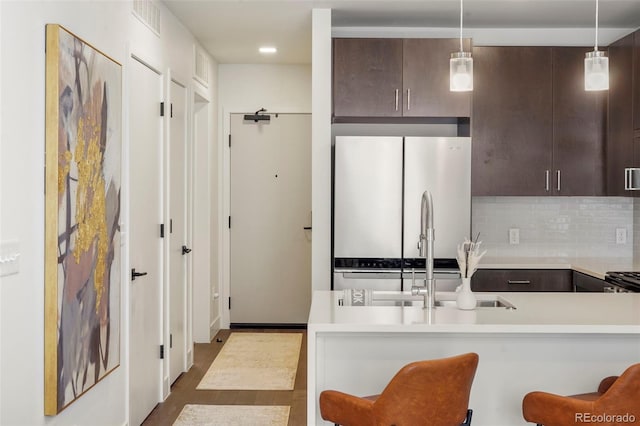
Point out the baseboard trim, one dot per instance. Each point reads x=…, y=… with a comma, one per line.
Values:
x=239, y=325
x=214, y=327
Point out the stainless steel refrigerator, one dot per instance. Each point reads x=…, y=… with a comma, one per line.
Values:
x=378, y=185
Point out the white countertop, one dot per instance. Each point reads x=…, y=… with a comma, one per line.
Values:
x=611, y=313
x=596, y=267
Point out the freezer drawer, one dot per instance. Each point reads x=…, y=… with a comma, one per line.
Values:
x=442, y=166
x=368, y=197
x=370, y=280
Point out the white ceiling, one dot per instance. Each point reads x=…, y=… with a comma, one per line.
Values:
x=232, y=30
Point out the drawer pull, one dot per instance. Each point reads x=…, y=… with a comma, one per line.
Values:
x=519, y=282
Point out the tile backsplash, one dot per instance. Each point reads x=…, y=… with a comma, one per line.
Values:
x=557, y=226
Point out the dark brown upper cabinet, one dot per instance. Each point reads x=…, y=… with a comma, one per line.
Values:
x=636, y=80
x=535, y=130
x=620, y=146
x=512, y=130
x=367, y=77
x=395, y=78
x=425, y=79
x=579, y=127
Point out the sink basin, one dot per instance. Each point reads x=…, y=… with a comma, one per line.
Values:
x=353, y=297
x=386, y=302
x=491, y=303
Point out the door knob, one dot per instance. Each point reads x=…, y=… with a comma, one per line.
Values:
x=135, y=274
x=185, y=250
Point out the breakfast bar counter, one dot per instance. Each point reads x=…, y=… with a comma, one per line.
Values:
x=562, y=343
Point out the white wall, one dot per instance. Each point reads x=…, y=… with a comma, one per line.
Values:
x=278, y=88
x=247, y=88
x=321, y=267
x=110, y=26
x=216, y=182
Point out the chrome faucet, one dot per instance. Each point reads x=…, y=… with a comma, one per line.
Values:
x=425, y=247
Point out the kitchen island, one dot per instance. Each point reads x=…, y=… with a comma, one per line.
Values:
x=557, y=342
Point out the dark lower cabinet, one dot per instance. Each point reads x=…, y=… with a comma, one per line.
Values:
x=522, y=280
x=584, y=283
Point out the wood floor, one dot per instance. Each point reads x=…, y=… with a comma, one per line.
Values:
x=184, y=390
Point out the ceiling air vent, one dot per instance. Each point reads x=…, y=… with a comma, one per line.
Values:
x=201, y=66
x=149, y=13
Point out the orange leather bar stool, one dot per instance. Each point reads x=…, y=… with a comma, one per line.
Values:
x=617, y=402
x=423, y=393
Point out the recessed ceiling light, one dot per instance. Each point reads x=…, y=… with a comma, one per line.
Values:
x=268, y=49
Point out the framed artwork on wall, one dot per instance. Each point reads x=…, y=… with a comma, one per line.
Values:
x=82, y=217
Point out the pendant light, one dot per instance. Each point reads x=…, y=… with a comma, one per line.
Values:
x=596, y=66
x=461, y=66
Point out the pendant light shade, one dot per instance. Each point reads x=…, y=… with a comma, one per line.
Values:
x=461, y=72
x=596, y=71
x=461, y=66
x=596, y=66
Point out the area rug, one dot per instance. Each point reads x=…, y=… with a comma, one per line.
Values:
x=233, y=415
x=255, y=361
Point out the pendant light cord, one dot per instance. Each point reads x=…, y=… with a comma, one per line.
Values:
x=596, y=43
x=461, y=10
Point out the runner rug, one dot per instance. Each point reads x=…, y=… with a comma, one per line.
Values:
x=255, y=361
x=233, y=415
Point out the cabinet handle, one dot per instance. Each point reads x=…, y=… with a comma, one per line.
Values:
x=546, y=179
x=558, y=177
x=408, y=99
x=396, y=99
x=526, y=282
x=627, y=180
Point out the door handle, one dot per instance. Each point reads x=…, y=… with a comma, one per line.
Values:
x=558, y=184
x=135, y=274
x=185, y=250
x=307, y=228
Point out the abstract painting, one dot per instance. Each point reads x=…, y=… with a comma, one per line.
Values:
x=82, y=217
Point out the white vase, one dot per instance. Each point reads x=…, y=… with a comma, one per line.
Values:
x=466, y=299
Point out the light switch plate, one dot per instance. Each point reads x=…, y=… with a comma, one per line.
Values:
x=9, y=258
x=514, y=235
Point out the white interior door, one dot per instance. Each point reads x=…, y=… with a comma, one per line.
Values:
x=270, y=253
x=177, y=233
x=145, y=244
